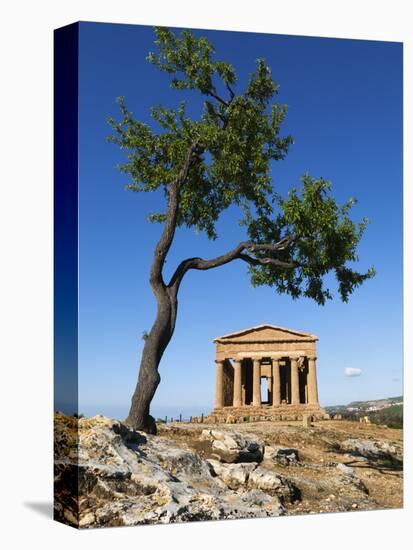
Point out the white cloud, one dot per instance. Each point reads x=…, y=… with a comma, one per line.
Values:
x=352, y=372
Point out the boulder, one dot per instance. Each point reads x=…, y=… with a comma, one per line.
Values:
x=251, y=476
x=282, y=455
x=233, y=447
x=273, y=483
x=233, y=475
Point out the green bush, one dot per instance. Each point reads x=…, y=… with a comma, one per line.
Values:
x=390, y=416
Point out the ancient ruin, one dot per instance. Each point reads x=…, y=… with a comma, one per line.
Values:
x=266, y=373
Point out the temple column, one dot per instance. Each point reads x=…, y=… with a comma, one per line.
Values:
x=312, y=381
x=219, y=385
x=237, y=401
x=276, y=382
x=256, y=383
x=295, y=391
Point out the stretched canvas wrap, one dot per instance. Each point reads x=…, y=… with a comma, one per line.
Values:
x=228, y=275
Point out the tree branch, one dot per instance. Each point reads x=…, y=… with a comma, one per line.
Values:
x=218, y=98
x=213, y=93
x=164, y=243
x=266, y=261
x=230, y=90
x=234, y=254
x=274, y=247
x=199, y=263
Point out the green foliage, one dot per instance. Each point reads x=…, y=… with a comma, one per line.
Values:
x=390, y=416
x=237, y=138
x=325, y=239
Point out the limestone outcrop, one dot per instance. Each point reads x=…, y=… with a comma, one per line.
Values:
x=107, y=474
x=128, y=478
x=373, y=450
x=251, y=475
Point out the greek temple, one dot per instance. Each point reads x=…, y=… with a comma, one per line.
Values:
x=266, y=373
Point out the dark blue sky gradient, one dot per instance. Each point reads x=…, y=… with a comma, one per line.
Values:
x=345, y=114
x=66, y=46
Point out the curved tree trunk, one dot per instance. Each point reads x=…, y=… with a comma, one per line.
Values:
x=166, y=296
x=158, y=339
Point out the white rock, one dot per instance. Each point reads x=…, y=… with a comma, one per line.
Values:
x=129, y=478
x=233, y=475
x=234, y=447
x=264, y=479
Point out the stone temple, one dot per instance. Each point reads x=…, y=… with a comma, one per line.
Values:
x=266, y=373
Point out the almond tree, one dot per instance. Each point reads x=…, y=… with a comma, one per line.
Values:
x=218, y=160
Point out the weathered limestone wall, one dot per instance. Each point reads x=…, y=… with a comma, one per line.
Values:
x=264, y=349
x=230, y=415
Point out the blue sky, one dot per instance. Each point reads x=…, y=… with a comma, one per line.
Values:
x=345, y=114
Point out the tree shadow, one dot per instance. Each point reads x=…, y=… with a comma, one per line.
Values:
x=389, y=469
x=43, y=508
x=383, y=465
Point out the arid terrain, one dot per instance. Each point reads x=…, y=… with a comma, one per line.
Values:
x=192, y=472
x=322, y=485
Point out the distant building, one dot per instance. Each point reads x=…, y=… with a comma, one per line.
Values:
x=266, y=372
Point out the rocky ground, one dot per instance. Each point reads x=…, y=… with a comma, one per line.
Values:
x=194, y=472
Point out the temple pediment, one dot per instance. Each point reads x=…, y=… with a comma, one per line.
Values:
x=266, y=333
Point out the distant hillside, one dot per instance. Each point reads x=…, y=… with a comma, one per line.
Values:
x=387, y=411
x=390, y=416
x=377, y=402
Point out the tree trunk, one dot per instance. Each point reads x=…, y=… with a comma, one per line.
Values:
x=158, y=339
x=166, y=297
